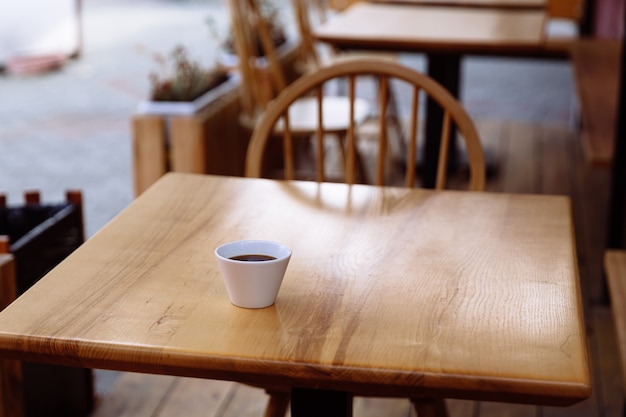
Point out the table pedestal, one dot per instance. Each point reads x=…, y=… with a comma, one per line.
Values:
x=315, y=403
x=444, y=68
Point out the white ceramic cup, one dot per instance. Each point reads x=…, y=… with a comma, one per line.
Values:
x=252, y=284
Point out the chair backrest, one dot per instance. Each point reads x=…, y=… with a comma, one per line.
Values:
x=385, y=72
x=308, y=14
x=248, y=22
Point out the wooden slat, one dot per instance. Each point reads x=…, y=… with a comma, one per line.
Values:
x=188, y=150
x=211, y=141
x=411, y=159
x=319, y=93
x=32, y=197
x=226, y=139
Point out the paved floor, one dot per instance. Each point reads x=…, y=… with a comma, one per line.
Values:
x=71, y=128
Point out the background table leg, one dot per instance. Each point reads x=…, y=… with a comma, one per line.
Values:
x=444, y=68
x=320, y=403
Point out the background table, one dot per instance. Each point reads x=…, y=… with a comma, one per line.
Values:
x=504, y=4
x=444, y=34
x=390, y=292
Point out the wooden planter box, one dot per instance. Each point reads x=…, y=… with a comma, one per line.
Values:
x=211, y=141
x=34, y=238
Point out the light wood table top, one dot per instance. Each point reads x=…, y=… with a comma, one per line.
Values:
x=424, y=28
x=505, y=4
x=390, y=292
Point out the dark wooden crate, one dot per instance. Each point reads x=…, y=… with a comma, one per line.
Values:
x=39, y=237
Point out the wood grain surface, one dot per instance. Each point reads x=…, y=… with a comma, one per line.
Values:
x=390, y=292
x=508, y=4
x=426, y=28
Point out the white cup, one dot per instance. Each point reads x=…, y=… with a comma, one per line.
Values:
x=250, y=283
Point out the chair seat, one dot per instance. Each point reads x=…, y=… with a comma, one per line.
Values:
x=303, y=114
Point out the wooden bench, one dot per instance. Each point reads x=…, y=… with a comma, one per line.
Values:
x=615, y=271
x=596, y=64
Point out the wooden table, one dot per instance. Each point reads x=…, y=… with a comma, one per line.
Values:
x=435, y=29
x=445, y=34
x=389, y=292
x=504, y=4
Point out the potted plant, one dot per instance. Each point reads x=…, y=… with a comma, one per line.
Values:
x=189, y=123
x=183, y=86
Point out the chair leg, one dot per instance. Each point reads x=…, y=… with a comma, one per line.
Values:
x=278, y=403
x=430, y=407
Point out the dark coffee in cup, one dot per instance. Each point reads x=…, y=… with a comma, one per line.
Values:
x=252, y=258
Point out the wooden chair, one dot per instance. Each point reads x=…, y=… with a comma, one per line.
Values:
x=263, y=80
x=310, y=13
x=279, y=112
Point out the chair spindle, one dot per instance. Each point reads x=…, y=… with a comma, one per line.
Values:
x=442, y=166
x=320, y=132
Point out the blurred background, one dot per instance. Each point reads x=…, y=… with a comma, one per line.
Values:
x=69, y=127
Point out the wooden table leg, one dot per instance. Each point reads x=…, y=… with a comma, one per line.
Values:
x=318, y=403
